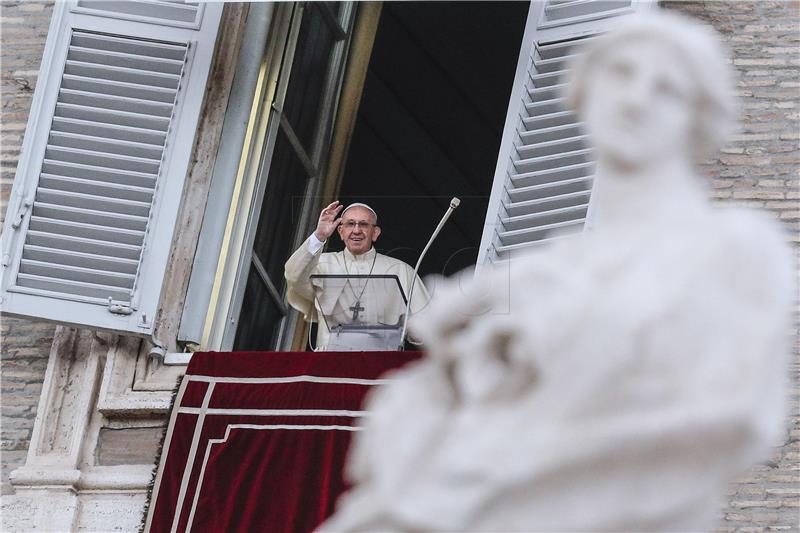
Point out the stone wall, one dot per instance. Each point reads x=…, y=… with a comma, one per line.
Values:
x=24, y=344
x=760, y=169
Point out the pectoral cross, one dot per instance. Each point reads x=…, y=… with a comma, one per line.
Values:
x=356, y=308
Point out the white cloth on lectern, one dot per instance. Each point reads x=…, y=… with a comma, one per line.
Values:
x=381, y=300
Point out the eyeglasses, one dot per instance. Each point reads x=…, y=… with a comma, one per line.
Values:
x=352, y=224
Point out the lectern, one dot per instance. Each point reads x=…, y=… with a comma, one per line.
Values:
x=351, y=328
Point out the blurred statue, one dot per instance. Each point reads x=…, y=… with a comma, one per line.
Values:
x=633, y=370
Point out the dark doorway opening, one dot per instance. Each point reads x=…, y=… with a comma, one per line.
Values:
x=430, y=122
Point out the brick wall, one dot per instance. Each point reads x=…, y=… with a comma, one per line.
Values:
x=760, y=169
x=25, y=344
x=23, y=361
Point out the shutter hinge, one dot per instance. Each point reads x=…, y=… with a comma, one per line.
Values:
x=21, y=212
x=6, y=259
x=119, y=308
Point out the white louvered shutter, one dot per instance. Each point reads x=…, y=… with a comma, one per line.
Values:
x=543, y=179
x=104, y=158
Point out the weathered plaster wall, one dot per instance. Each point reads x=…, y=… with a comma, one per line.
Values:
x=24, y=344
x=760, y=169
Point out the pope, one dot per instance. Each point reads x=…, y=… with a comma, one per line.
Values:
x=366, y=300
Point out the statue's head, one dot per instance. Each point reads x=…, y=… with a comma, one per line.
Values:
x=656, y=87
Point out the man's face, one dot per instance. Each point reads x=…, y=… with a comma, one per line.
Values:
x=358, y=229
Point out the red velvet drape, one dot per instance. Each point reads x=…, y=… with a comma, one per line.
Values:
x=257, y=441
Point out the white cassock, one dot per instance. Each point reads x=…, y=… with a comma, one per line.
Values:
x=333, y=301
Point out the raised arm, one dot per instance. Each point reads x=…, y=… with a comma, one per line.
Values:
x=303, y=262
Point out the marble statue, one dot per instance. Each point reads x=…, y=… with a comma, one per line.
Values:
x=616, y=380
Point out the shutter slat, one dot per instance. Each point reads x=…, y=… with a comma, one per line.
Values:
x=109, y=131
x=122, y=74
x=551, y=134
x=71, y=273
x=89, y=216
x=551, y=120
x=547, y=79
x=553, y=147
x=554, y=161
x=91, y=290
x=543, y=241
x=126, y=60
x=84, y=245
x=557, y=11
x=554, y=64
x=118, y=88
x=129, y=46
x=145, y=8
x=109, y=175
x=88, y=201
x=546, y=93
x=122, y=192
x=540, y=205
x=527, y=235
x=545, y=218
x=115, y=102
x=108, y=146
x=546, y=190
x=559, y=49
x=553, y=175
x=86, y=231
x=93, y=159
x=542, y=106
x=79, y=259
x=107, y=116
x=566, y=48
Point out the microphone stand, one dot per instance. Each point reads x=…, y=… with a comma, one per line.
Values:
x=453, y=204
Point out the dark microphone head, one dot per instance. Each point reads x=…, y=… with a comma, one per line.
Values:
x=454, y=203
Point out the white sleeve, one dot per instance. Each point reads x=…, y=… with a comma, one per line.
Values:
x=314, y=244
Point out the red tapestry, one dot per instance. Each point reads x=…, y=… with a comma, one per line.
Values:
x=257, y=440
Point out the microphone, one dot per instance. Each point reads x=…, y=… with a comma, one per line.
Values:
x=454, y=202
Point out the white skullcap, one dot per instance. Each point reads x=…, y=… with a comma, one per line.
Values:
x=365, y=206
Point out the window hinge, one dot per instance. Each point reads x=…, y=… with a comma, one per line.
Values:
x=157, y=349
x=21, y=212
x=119, y=308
